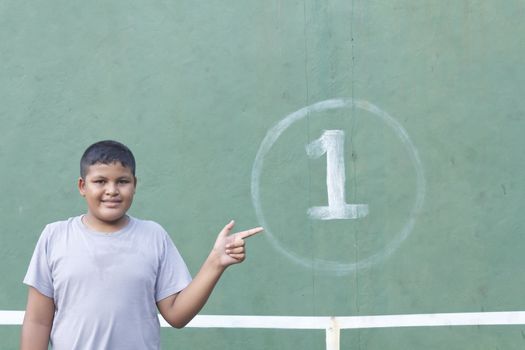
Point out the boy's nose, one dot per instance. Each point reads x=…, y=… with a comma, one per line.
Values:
x=111, y=188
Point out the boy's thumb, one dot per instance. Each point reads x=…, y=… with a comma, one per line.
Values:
x=226, y=230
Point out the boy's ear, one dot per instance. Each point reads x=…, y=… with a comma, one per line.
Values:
x=135, y=184
x=81, y=186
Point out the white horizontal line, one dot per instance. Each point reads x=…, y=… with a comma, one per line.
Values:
x=433, y=320
x=276, y=322
x=11, y=317
x=325, y=322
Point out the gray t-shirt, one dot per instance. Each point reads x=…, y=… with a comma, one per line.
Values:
x=105, y=286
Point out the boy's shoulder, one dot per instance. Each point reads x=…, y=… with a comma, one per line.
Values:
x=56, y=231
x=153, y=225
x=61, y=225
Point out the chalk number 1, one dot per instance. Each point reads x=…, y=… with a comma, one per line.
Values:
x=332, y=142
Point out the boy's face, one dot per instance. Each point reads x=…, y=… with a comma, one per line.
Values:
x=109, y=190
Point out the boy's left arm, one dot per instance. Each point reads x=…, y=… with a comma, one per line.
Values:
x=179, y=309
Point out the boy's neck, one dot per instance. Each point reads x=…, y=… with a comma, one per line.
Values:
x=102, y=226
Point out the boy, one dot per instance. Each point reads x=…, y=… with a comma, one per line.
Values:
x=97, y=280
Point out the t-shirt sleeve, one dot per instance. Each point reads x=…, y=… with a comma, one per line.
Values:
x=39, y=272
x=172, y=275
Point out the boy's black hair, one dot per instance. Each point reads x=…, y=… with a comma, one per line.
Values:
x=106, y=152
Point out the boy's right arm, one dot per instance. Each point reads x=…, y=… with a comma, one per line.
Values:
x=38, y=320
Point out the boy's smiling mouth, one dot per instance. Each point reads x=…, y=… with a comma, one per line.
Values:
x=111, y=203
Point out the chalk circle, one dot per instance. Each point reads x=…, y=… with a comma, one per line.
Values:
x=339, y=268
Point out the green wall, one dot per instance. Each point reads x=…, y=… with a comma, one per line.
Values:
x=194, y=89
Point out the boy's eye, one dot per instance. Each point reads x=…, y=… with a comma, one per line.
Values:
x=99, y=181
x=124, y=181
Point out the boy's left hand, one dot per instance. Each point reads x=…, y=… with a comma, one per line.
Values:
x=230, y=249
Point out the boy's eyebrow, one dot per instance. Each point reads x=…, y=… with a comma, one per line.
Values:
x=118, y=177
x=127, y=177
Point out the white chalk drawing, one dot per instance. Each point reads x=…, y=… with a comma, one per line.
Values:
x=330, y=266
x=332, y=143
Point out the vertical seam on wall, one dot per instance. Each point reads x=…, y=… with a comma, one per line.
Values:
x=307, y=98
x=354, y=170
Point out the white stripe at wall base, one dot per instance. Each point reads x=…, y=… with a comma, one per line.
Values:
x=350, y=322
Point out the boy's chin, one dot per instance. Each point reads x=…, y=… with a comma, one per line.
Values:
x=110, y=218
x=115, y=219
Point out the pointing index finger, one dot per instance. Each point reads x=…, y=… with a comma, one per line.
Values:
x=249, y=233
